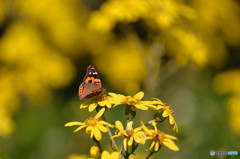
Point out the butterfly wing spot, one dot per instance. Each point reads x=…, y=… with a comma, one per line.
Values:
x=97, y=81
x=89, y=80
x=80, y=92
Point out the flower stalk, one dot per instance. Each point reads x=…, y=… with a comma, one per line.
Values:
x=98, y=144
x=150, y=154
x=110, y=135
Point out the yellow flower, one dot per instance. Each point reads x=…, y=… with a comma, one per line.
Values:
x=94, y=151
x=129, y=135
x=159, y=138
x=101, y=99
x=78, y=156
x=133, y=102
x=167, y=112
x=107, y=155
x=93, y=126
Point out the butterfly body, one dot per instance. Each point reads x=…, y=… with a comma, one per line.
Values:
x=91, y=84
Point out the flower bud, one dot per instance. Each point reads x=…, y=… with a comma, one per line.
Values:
x=94, y=151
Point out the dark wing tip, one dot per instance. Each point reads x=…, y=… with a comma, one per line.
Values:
x=90, y=67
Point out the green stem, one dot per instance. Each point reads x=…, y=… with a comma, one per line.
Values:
x=110, y=134
x=150, y=154
x=127, y=155
x=98, y=144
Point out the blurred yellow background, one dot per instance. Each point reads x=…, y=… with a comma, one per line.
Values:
x=185, y=53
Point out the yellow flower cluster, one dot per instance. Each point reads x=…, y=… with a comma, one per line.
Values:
x=186, y=32
x=229, y=83
x=62, y=25
x=30, y=68
x=163, y=13
x=166, y=16
x=131, y=136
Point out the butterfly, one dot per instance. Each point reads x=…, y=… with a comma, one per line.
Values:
x=91, y=85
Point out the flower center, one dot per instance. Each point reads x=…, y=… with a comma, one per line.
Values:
x=131, y=101
x=91, y=122
x=130, y=133
x=158, y=137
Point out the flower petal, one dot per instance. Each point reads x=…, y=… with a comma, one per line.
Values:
x=119, y=125
x=153, y=107
x=73, y=123
x=171, y=120
x=148, y=138
x=170, y=144
x=158, y=101
x=112, y=94
x=139, y=95
x=102, y=103
x=105, y=154
x=125, y=144
x=129, y=125
x=85, y=104
x=108, y=104
x=92, y=106
x=160, y=107
x=146, y=129
x=130, y=141
x=156, y=146
x=175, y=128
x=89, y=130
x=165, y=114
x=137, y=129
x=116, y=98
x=170, y=137
x=102, y=128
x=100, y=113
x=114, y=155
x=116, y=136
x=106, y=123
x=141, y=106
x=81, y=127
x=139, y=137
x=97, y=134
x=154, y=124
x=152, y=144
